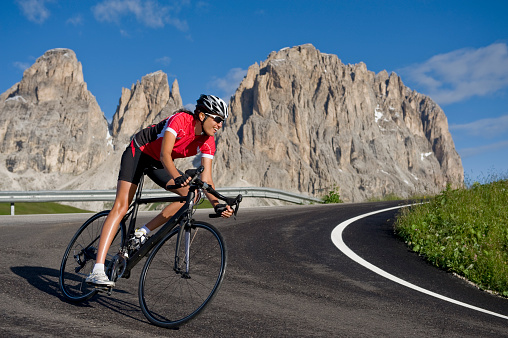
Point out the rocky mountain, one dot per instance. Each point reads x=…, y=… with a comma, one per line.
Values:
x=50, y=122
x=304, y=121
x=300, y=121
x=53, y=134
x=146, y=102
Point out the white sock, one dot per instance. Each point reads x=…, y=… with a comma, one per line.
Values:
x=98, y=267
x=145, y=229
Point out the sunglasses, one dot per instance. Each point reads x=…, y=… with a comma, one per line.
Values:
x=216, y=118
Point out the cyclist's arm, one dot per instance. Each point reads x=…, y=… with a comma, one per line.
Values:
x=168, y=142
x=206, y=176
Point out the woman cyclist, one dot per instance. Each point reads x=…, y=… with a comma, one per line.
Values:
x=181, y=135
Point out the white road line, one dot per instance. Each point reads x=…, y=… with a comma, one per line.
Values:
x=339, y=243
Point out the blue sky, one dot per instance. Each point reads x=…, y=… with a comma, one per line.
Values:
x=454, y=51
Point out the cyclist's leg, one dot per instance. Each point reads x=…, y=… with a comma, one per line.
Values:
x=131, y=170
x=124, y=194
x=168, y=211
x=163, y=178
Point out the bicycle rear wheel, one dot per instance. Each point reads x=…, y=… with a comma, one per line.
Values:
x=169, y=297
x=79, y=258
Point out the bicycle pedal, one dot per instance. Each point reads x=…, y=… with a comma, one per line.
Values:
x=106, y=289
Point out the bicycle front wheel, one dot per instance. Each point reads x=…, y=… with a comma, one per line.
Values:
x=172, y=294
x=79, y=258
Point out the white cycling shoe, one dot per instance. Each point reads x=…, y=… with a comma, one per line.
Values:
x=99, y=279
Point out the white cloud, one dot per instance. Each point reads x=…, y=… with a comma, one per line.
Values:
x=34, y=10
x=203, y=5
x=190, y=106
x=229, y=84
x=487, y=128
x=470, y=152
x=165, y=60
x=76, y=20
x=150, y=13
x=21, y=65
x=461, y=74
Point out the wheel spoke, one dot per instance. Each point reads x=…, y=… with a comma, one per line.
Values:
x=169, y=299
x=79, y=258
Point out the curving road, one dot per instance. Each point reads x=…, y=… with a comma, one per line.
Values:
x=285, y=277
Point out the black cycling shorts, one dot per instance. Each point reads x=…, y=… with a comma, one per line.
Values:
x=134, y=163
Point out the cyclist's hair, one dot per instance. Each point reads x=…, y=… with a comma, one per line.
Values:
x=187, y=111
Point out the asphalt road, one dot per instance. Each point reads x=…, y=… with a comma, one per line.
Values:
x=285, y=278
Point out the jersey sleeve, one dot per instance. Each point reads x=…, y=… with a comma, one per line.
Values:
x=208, y=148
x=176, y=124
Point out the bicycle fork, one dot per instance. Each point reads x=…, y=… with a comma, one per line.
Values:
x=185, y=229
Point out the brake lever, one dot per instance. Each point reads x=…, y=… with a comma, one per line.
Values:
x=194, y=173
x=235, y=210
x=237, y=200
x=234, y=203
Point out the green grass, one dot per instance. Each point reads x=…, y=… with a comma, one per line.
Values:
x=38, y=208
x=464, y=231
x=388, y=197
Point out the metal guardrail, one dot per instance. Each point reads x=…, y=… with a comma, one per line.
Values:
x=13, y=197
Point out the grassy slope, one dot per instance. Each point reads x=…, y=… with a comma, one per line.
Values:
x=464, y=231
x=38, y=208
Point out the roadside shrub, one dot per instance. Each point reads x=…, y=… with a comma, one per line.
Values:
x=332, y=196
x=464, y=231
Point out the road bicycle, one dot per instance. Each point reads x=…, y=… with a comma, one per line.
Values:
x=185, y=265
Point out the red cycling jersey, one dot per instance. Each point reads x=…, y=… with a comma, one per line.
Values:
x=182, y=125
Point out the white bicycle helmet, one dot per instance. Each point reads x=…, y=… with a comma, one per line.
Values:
x=213, y=105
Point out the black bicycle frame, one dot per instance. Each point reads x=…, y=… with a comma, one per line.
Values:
x=166, y=228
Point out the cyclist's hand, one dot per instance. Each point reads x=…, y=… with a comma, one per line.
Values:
x=228, y=212
x=182, y=180
x=224, y=210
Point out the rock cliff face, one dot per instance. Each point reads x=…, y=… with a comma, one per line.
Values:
x=147, y=102
x=300, y=121
x=50, y=122
x=304, y=121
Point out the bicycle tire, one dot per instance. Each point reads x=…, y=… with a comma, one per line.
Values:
x=80, y=255
x=169, y=300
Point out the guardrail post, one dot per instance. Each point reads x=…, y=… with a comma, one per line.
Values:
x=12, y=208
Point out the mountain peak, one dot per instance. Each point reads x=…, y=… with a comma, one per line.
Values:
x=51, y=122
x=305, y=122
